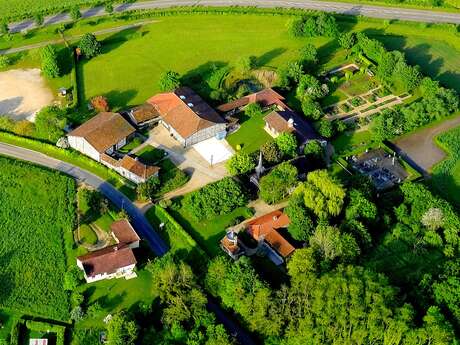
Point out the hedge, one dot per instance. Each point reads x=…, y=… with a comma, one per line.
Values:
x=15, y=330
x=48, y=327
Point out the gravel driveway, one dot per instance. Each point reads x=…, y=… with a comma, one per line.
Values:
x=420, y=146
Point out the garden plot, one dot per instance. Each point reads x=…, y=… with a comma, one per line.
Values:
x=23, y=92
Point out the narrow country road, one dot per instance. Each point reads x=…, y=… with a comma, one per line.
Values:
x=139, y=221
x=327, y=6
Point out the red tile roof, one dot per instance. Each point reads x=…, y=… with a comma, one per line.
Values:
x=124, y=232
x=107, y=260
x=185, y=111
x=264, y=97
x=265, y=227
x=138, y=168
x=104, y=130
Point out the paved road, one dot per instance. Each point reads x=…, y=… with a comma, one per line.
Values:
x=327, y=6
x=420, y=145
x=138, y=220
x=75, y=37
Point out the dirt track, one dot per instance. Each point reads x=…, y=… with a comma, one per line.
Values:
x=23, y=92
x=420, y=145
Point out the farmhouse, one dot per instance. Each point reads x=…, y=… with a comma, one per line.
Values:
x=284, y=120
x=187, y=117
x=265, y=98
x=265, y=230
x=116, y=261
x=134, y=170
x=103, y=134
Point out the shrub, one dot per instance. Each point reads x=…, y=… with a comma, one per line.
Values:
x=215, y=199
x=108, y=7
x=24, y=128
x=50, y=66
x=277, y=183
x=100, y=103
x=4, y=61
x=325, y=128
x=253, y=109
x=75, y=13
x=6, y=123
x=50, y=123
x=90, y=46
x=271, y=152
x=240, y=163
x=313, y=148
x=246, y=64
x=169, y=81
x=287, y=143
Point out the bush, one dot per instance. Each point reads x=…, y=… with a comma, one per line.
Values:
x=50, y=66
x=169, y=81
x=246, y=64
x=90, y=46
x=287, y=143
x=313, y=148
x=217, y=198
x=325, y=128
x=50, y=123
x=240, y=163
x=100, y=103
x=108, y=7
x=277, y=183
x=4, y=61
x=253, y=109
x=271, y=152
x=75, y=13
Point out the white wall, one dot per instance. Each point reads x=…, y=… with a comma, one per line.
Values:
x=80, y=144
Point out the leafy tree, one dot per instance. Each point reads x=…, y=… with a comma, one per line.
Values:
x=100, y=103
x=295, y=27
x=75, y=13
x=447, y=289
x=314, y=149
x=5, y=61
x=253, y=109
x=38, y=18
x=302, y=262
x=169, y=81
x=149, y=189
x=311, y=109
x=287, y=143
x=108, y=7
x=240, y=163
x=326, y=25
x=246, y=64
x=310, y=87
x=90, y=46
x=72, y=279
x=76, y=314
x=50, y=66
x=347, y=40
x=50, y=123
x=270, y=152
x=330, y=243
x=121, y=330
x=359, y=207
x=310, y=29
x=6, y=123
x=301, y=225
x=325, y=128
x=308, y=53
x=277, y=183
x=323, y=195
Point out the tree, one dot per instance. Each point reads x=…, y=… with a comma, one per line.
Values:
x=308, y=53
x=76, y=314
x=90, y=46
x=253, y=109
x=326, y=25
x=246, y=64
x=295, y=27
x=301, y=225
x=347, y=40
x=271, y=152
x=311, y=109
x=50, y=123
x=100, y=103
x=4, y=28
x=325, y=128
x=121, y=330
x=108, y=7
x=72, y=279
x=323, y=195
x=50, y=66
x=5, y=61
x=169, y=81
x=287, y=143
x=331, y=244
x=149, y=189
x=75, y=13
x=310, y=87
x=313, y=149
x=277, y=184
x=240, y=163
x=302, y=262
x=38, y=18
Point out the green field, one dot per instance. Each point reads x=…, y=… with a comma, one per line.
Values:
x=36, y=223
x=446, y=174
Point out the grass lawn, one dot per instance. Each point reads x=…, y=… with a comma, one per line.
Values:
x=150, y=155
x=116, y=295
x=251, y=135
x=208, y=233
x=87, y=235
x=352, y=142
x=446, y=174
x=357, y=85
x=131, y=145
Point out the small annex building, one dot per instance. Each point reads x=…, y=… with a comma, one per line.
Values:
x=144, y=115
x=188, y=117
x=103, y=134
x=265, y=98
x=115, y=261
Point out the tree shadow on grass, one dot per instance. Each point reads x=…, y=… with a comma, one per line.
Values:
x=119, y=99
x=326, y=51
x=267, y=57
x=117, y=39
x=198, y=77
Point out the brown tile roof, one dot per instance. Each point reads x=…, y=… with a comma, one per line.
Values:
x=230, y=245
x=279, y=120
x=138, y=168
x=264, y=97
x=108, y=159
x=104, y=130
x=107, y=260
x=124, y=232
x=144, y=113
x=186, y=120
x=265, y=227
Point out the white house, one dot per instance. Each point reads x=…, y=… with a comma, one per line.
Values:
x=102, y=134
x=187, y=117
x=117, y=261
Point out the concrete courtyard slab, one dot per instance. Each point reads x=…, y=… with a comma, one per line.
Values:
x=214, y=151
